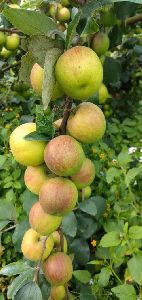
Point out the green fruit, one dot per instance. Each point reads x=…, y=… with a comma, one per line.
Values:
x=58, y=269
x=103, y=94
x=52, y=10
x=100, y=43
x=57, y=292
x=108, y=17
x=79, y=72
x=5, y=53
x=85, y=176
x=2, y=39
x=24, y=151
x=57, y=242
x=106, y=107
x=64, y=156
x=63, y=14
x=12, y=41
x=65, y=3
x=58, y=196
x=42, y=222
x=81, y=124
x=108, y=113
x=86, y=193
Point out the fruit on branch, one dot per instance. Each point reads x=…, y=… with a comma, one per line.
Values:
x=65, y=3
x=2, y=39
x=52, y=10
x=103, y=94
x=86, y=193
x=108, y=17
x=24, y=151
x=57, y=241
x=42, y=222
x=5, y=53
x=79, y=72
x=57, y=124
x=57, y=292
x=87, y=124
x=63, y=14
x=12, y=41
x=58, y=196
x=64, y=156
x=100, y=43
x=34, y=178
x=36, y=78
x=85, y=176
x=58, y=269
x=32, y=245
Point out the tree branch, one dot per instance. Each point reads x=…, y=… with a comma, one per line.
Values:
x=68, y=105
x=133, y=20
x=37, y=269
x=10, y=66
x=9, y=228
x=11, y=30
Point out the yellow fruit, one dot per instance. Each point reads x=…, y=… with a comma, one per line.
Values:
x=103, y=94
x=58, y=292
x=35, y=177
x=2, y=39
x=5, y=53
x=63, y=14
x=12, y=41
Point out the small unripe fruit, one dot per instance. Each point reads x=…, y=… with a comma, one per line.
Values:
x=79, y=72
x=57, y=241
x=24, y=151
x=2, y=39
x=42, y=222
x=12, y=42
x=65, y=3
x=86, y=193
x=34, y=178
x=57, y=292
x=85, y=176
x=88, y=124
x=64, y=156
x=108, y=17
x=32, y=245
x=52, y=10
x=100, y=43
x=58, y=269
x=63, y=14
x=58, y=196
x=5, y=53
x=103, y=94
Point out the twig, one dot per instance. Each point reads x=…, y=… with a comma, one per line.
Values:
x=134, y=19
x=82, y=194
x=61, y=240
x=11, y=30
x=67, y=292
x=11, y=66
x=37, y=269
x=68, y=105
x=9, y=228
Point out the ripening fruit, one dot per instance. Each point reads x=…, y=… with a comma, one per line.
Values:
x=36, y=78
x=103, y=94
x=86, y=193
x=2, y=39
x=34, y=178
x=58, y=269
x=5, y=53
x=57, y=242
x=79, y=72
x=108, y=17
x=32, y=245
x=12, y=41
x=58, y=196
x=85, y=176
x=52, y=10
x=87, y=124
x=57, y=292
x=100, y=43
x=42, y=222
x=24, y=151
x=61, y=27
x=63, y=14
x=64, y=156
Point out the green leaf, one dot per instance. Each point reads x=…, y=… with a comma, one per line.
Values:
x=30, y=22
x=125, y=10
x=135, y=268
x=28, y=199
x=88, y=206
x=49, y=78
x=124, y=157
x=18, y=282
x=135, y=232
x=81, y=250
x=131, y=174
x=87, y=225
x=69, y=224
x=125, y=292
x=100, y=205
x=110, y=239
x=35, y=136
x=29, y=291
x=90, y=28
x=2, y=160
x=44, y=122
x=15, y=268
x=104, y=276
x=17, y=237
x=1, y=297
x=112, y=173
x=112, y=71
x=72, y=29
x=27, y=62
x=3, y=224
x=7, y=210
x=82, y=275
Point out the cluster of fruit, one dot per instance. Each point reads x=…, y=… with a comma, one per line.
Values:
x=8, y=44
x=61, y=13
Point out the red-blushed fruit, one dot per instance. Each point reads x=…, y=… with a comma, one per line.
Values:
x=87, y=124
x=32, y=245
x=57, y=242
x=79, y=72
x=57, y=292
x=63, y=14
x=100, y=43
x=58, y=269
x=58, y=196
x=86, y=193
x=27, y=153
x=34, y=178
x=64, y=156
x=42, y=222
x=12, y=42
x=85, y=176
x=103, y=94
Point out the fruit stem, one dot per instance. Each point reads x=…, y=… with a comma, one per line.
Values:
x=61, y=240
x=66, y=113
x=37, y=269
